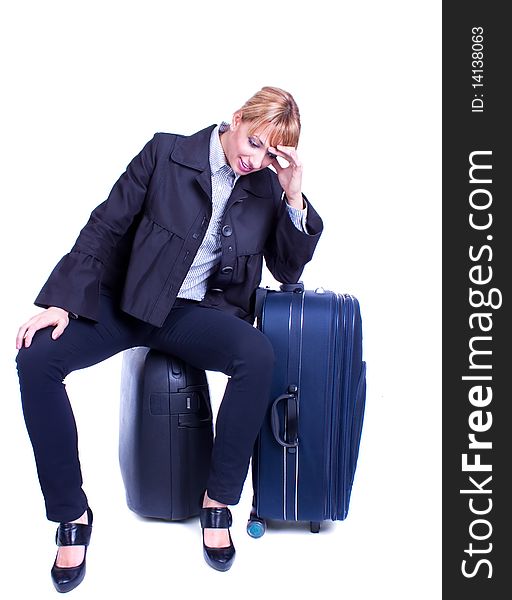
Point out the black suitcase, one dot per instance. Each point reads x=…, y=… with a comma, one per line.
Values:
x=305, y=456
x=166, y=434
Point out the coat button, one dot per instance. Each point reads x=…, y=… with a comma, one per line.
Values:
x=226, y=270
x=227, y=230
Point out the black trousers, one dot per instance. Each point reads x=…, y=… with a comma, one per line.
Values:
x=206, y=338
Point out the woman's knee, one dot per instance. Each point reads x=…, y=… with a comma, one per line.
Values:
x=264, y=351
x=254, y=352
x=37, y=359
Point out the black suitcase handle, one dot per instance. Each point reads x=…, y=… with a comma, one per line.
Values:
x=291, y=416
x=298, y=287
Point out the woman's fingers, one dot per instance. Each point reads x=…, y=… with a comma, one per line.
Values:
x=51, y=316
x=21, y=335
x=290, y=177
x=276, y=165
x=59, y=329
x=289, y=153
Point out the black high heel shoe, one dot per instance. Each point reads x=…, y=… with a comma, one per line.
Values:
x=220, y=559
x=66, y=579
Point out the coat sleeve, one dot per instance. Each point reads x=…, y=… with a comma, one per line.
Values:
x=288, y=249
x=75, y=281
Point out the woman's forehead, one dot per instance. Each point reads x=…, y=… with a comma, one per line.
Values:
x=266, y=134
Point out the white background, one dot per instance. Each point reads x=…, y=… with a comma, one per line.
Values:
x=85, y=85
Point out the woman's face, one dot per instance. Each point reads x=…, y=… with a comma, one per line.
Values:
x=246, y=153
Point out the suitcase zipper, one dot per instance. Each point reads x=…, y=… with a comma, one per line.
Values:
x=344, y=322
x=336, y=407
x=347, y=407
x=295, y=326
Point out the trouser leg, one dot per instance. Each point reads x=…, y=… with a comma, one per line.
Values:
x=214, y=340
x=206, y=338
x=48, y=415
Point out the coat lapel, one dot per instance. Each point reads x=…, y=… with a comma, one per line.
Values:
x=193, y=151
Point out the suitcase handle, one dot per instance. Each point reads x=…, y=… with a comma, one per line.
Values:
x=292, y=287
x=291, y=421
x=261, y=295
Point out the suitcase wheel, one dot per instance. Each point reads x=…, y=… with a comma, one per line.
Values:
x=314, y=526
x=256, y=527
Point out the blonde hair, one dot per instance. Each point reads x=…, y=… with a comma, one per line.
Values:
x=276, y=109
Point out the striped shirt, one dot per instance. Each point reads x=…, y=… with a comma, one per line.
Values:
x=208, y=255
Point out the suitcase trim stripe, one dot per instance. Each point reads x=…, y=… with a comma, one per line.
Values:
x=295, y=342
x=295, y=367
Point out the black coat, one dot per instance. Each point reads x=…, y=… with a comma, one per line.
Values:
x=141, y=241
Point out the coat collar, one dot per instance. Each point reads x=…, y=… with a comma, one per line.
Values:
x=193, y=151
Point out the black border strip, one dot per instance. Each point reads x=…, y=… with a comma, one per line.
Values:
x=477, y=360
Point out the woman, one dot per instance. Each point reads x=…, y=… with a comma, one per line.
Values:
x=171, y=260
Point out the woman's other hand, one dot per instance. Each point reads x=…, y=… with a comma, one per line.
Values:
x=53, y=316
x=290, y=177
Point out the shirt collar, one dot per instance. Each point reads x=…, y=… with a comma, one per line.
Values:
x=217, y=156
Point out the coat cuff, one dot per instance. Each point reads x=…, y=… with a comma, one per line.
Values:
x=73, y=285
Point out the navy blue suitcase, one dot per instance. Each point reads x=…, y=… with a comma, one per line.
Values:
x=166, y=434
x=305, y=456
